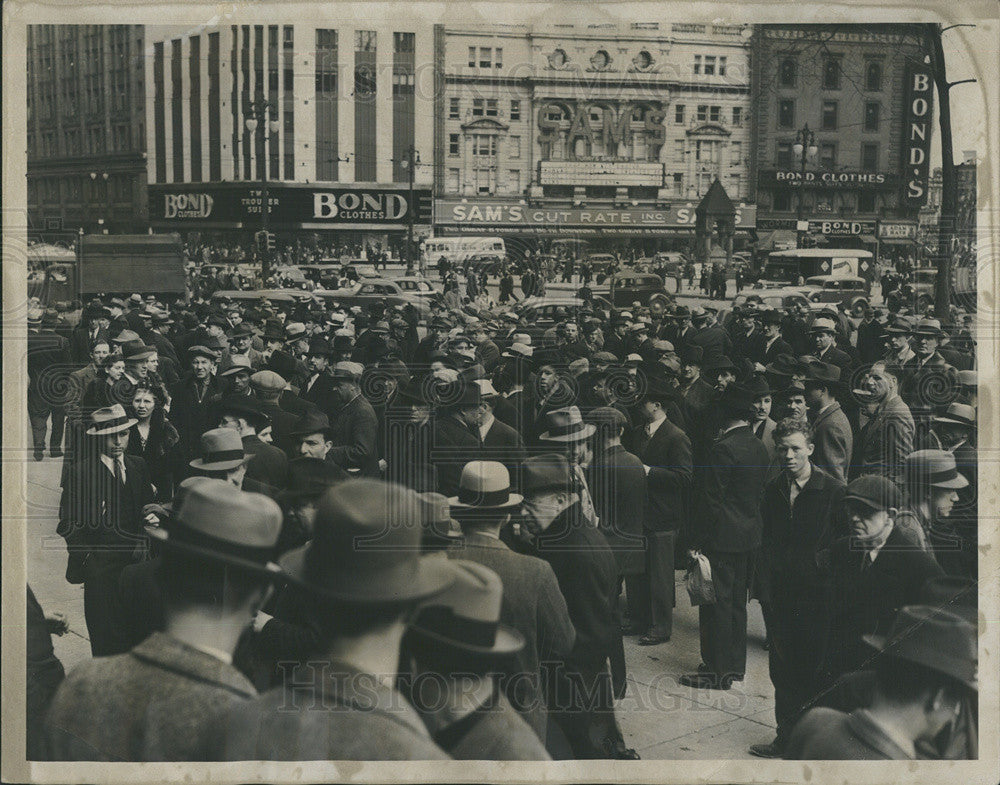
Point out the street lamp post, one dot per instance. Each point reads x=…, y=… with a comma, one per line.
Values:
x=804, y=150
x=259, y=117
x=104, y=178
x=410, y=164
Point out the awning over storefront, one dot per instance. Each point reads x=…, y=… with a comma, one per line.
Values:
x=868, y=238
x=899, y=241
x=770, y=240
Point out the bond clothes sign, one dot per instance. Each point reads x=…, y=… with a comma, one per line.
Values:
x=512, y=216
x=861, y=180
x=917, y=133
x=842, y=228
x=240, y=205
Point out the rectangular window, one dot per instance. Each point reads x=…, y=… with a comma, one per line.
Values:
x=472, y=57
x=678, y=184
x=365, y=41
x=828, y=155
x=403, y=42
x=478, y=107
x=453, y=175
x=784, y=156
x=735, y=153
x=679, y=114
x=722, y=66
x=709, y=65
x=873, y=75
x=782, y=201
x=365, y=117
x=871, y=116
x=289, y=103
x=715, y=113
x=498, y=58
x=679, y=146
x=869, y=157
x=492, y=107
x=327, y=141
x=177, y=111
x=194, y=66
x=159, y=114
x=453, y=144
x=454, y=109
x=831, y=73
x=702, y=113
x=515, y=110
x=829, y=119
x=786, y=113
x=737, y=116
x=214, y=111
x=514, y=145
x=485, y=57
x=697, y=64
x=514, y=181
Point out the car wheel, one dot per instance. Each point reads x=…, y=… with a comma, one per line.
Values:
x=660, y=299
x=858, y=307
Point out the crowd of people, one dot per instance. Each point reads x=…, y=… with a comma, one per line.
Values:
x=311, y=533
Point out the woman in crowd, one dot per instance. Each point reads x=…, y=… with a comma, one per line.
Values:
x=154, y=439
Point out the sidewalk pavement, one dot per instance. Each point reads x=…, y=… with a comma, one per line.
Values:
x=660, y=718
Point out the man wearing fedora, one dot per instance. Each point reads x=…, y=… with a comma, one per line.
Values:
x=500, y=442
x=773, y=344
x=955, y=432
x=932, y=485
x=727, y=529
x=588, y=578
x=267, y=465
x=887, y=437
x=711, y=337
x=928, y=664
x=240, y=345
x=354, y=426
x=450, y=654
x=824, y=336
x=532, y=601
x=159, y=701
x=565, y=430
x=664, y=451
x=876, y=567
x=455, y=436
x=899, y=352
x=100, y=515
x=343, y=705
x=318, y=387
x=268, y=387
x=832, y=435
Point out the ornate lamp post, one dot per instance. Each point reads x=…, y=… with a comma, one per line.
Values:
x=804, y=150
x=259, y=117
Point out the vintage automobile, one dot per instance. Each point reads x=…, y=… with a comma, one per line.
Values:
x=627, y=287
x=416, y=286
x=917, y=293
x=776, y=299
x=375, y=290
x=852, y=291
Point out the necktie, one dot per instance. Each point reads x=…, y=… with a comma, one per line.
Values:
x=119, y=472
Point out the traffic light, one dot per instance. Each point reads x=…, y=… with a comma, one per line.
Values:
x=270, y=240
x=261, y=239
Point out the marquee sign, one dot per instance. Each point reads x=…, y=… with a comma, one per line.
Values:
x=917, y=133
x=616, y=173
x=897, y=230
x=238, y=204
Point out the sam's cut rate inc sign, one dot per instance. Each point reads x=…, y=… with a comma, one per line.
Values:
x=917, y=119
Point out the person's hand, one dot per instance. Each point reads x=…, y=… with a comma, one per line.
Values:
x=259, y=620
x=57, y=623
x=382, y=465
x=759, y=368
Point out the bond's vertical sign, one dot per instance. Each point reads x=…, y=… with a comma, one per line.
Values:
x=917, y=131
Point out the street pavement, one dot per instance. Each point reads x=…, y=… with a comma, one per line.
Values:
x=660, y=718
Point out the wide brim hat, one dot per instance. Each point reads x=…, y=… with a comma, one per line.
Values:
x=365, y=549
x=567, y=426
x=929, y=327
x=138, y=352
x=309, y=477
x=934, y=468
x=222, y=450
x=825, y=374
x=111, y=419
x=484, y=485
x=823, y=325
x=958, y=414
x=219, y=523
x=236, y=364
x=311, y=422
x=936, y=639
x=244, y=405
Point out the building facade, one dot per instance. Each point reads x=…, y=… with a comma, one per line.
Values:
x=603, y=131
x=842, y=123
x=86, y=137
x=339, y=112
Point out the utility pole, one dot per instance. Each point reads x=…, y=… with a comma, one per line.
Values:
x=410, y=162
x=949, y=186
x=805, y=149
x=259, y=117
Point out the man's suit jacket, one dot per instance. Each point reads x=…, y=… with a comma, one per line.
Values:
x=453, y=444
x=919, y=378
x=343, y=714
x=765, y=432
x=749, y=346
x=321, y=394
x=871, y=341
x=728, y=491
x=354, y=433
x=155, y=703
x=780, y=346
x=191, y=415
x=268, y=466
x=164, y=347
x=488, y=355
x=837, y=357
x=713, y=340
x=48, y=369
x=617, y=484
x=502, y=443
x=696, y=398
x=668, y=484
x=534, y=606
x=834, y=441
x=828, y=734
x=885, y=441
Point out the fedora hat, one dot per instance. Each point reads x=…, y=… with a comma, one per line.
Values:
x=519, y=351
x=968, y=379
x=901, y=325
x=657, y=387
x=319, y=346
x=136, y=351
x=235, y=364
x=310, y=477
x=547, y=472
x=440, y=530
x=819, y=372
x=110, y=419
x=311, y=422
x=757, y=386
x=928, y=327
x=486, y=388
x=125, y=336
x=823, y=325
x=412, y=393
x=958, y=414
x=466, y=615
x=484, y=485
x=566, y=425
x=720, y=362
x=223, y=524
x=737, y=398
x=347, y=371
x=242, y=330
x=221, y=450
x=366, y=548
x=245, y=406
x=936, y=639
x=934, y=468
x=784, y=365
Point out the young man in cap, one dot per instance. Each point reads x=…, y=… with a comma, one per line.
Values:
x=342, y=705
x=354, y=426
x=899, y=352
x=888, y=436
x=100, y=513
x=727, y=528
x=876, y=568
x=588, y=578
x=191, y=398
x=159, y=701
x=664, y=451
x=532, y=602
x=268, y=388
x=450, y=654
x=927, y=666
x=832, y=434
x=798, y=510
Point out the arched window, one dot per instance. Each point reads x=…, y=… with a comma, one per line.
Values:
x=873, y=76
x=786, y=73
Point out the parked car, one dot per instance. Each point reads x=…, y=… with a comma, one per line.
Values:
x=544, y=312
x=774, y=299
x=416, y=286
x=669, y=264
x=601, y=262
x=627, y=287
x=374, y=290
x=852, y=291
x=917, y=293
